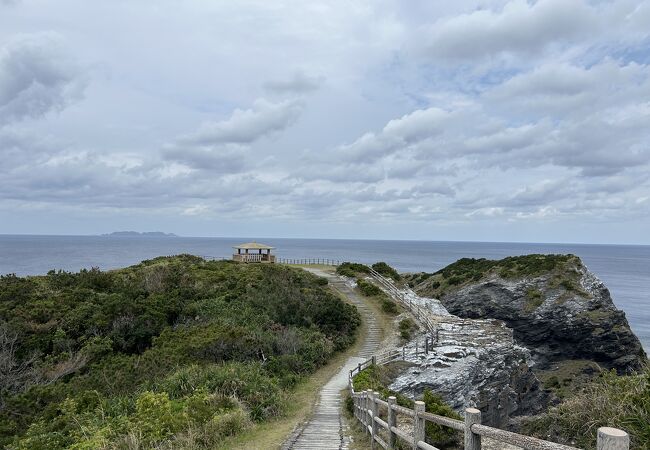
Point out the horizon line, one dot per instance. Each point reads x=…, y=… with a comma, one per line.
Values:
x=175, y=235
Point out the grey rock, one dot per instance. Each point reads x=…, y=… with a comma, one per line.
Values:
x=568, y=320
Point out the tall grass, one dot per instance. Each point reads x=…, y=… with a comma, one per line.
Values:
x=611, y=400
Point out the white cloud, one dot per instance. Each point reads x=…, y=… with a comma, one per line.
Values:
x=309, y=113
x=247, y=126
x=520, y=27
x=36, y=78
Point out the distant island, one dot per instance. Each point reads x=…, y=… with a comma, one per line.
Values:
x=140, y=234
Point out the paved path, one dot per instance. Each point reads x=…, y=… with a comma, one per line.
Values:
x=324, y=430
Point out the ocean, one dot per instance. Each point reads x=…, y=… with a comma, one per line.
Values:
x=625, y=269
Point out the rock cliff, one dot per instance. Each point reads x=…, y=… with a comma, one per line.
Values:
x=474, y=363
x=557, y=308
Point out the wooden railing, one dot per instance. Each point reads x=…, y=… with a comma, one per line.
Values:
x=310, y=261
x=416, y=310
x=379, y=417
x=253, y=257
x=379, y=420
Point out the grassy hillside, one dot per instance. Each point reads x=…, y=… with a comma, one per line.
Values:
x=470, y=270
x=173, y=353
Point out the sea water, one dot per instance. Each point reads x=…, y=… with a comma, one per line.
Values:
x=625, y=269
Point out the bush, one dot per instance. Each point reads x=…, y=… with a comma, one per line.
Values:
x=368, y=289
x=437, y=435
x=406, y=328
x=155, y=354
x=611, y=400
x=228, y=424
x=375, y=378
x=351, y=270
x=389, y=306
x=386, y=270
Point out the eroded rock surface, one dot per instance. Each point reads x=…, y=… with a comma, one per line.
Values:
x=471, y=363
x=558, y=316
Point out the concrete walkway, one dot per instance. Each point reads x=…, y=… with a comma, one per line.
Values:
x=324, y=430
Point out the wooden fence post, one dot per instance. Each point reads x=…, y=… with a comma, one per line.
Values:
x=418, y=424
x=373, y=422
x=368, y=404
x=392, y=422
x=472, y=440
x=612, y=439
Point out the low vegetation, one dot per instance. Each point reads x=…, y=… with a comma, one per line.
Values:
x=367, y=288
x=371, y=290
x=386, y=270
x=470, y=270
x=352, y=270
x=377, y=377
x=171, y=353
x=406, y=328
x=610, y=400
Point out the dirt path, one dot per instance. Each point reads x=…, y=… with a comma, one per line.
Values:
x=324, y=430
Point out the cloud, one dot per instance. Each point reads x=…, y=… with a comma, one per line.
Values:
x=299, y=83
x=519, y=110
x=246, y=126
x=36, y=78
x=224, y=147
x=520, y=27
x=223, y=159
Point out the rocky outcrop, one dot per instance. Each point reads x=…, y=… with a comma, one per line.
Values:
x=470, y=363
x=474, y=363
x=565, y=312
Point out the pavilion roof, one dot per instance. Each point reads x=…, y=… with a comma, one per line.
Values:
x=253, y=246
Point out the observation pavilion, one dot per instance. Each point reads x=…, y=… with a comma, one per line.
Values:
x=253, y=252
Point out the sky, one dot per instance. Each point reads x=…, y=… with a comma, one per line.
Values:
x=376, y=119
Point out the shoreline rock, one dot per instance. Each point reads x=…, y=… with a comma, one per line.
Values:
x=571, y=316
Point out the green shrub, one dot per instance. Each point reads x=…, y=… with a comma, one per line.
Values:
x=534, y=299
x=386, y=270
x=368, y=289
x=351, y=270
x=375, y=378
x=389, y=306
x=155, y=354
x=406, y=328
x=611, y=400
x=228, y=423
x=349, y=404
x=438, y=435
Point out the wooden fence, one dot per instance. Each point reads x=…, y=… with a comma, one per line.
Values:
x=253, y=257
x=309, y=261
x=379, y=417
